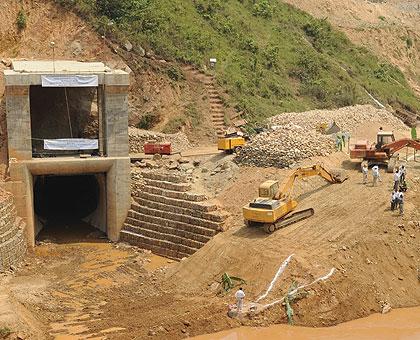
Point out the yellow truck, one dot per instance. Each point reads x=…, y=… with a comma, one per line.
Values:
x=231, y=144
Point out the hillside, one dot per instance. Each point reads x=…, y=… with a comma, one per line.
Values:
x=271, y=56
x=389, y=28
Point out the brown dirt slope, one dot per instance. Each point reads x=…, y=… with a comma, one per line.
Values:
x=388, y=28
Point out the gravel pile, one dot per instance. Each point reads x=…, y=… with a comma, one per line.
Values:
x=293, y=136
x=347, y=118
x=138, y=137
x=285, y=146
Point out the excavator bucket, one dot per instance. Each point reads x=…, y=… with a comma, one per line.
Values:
x=339, y=176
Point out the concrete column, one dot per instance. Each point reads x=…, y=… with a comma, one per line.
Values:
x=118, y=196
x=116, y=114
x=18, y=122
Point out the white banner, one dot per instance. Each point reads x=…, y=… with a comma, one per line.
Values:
x=70, y=144
x=69, y=81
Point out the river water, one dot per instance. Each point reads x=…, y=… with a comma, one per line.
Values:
x=399, y=324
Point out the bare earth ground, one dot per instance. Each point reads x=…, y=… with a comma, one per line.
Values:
x=88, y=288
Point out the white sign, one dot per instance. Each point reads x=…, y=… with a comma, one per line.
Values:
x=69, y=81
x=70, y=144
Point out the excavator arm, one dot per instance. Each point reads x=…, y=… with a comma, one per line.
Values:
x=286, y=187
x=394, y=147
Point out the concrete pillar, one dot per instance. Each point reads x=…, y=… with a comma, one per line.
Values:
x=118, y=193
x=116, y=114
x=18, y=122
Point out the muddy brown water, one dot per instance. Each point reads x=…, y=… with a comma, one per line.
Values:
x=401, y=324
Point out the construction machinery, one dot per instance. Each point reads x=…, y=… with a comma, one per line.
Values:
x=384, y=151
x=231, y=143
x=274, y=207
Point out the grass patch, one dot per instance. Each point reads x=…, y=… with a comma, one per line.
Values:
x=271, y=56
x=5, y=332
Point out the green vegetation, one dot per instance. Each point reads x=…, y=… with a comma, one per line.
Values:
x=271, y=57
x=191, y=117
x=148, y=120
x=21, y=20
x=5, y=332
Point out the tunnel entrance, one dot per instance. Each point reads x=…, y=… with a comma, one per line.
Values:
x=68, y=208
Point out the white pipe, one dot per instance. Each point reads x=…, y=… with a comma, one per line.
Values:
x=279, y=272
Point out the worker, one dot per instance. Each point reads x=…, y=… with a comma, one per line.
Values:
x=240, y=295
x=402, y=172
x=396, y=179
x=365, y=171
x=401, y=201
x=376, y=175
x=394, y=199
x=339, y=142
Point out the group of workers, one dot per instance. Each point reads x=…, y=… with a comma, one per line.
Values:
x=341, y=139
x=397, y=195
x=399, y=187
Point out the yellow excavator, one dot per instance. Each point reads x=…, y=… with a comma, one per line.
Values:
x=273, y=209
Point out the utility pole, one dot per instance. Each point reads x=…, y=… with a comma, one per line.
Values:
x=52, y=45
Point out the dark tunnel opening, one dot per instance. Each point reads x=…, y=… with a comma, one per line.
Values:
x=66, y=197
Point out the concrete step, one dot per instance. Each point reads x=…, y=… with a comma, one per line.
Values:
x=200, y=206
x=180, y=187
x=215, y=217
x=166, y=244
x=171, y=223
x=177, y=217
x=165, y=177
x=142, y=242
x=164, y=237
x=187, y=196
x=167, y=230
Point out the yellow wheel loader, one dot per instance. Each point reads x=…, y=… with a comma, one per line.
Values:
x=274, y=207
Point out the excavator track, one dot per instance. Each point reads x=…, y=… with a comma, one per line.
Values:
x=290, y=219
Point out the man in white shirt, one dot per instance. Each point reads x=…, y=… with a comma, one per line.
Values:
x=240, y=295
x=397, y=175
x=401, y=201
x=402, y=173
x=394, y=199
x=376, y=175
x=365, y=171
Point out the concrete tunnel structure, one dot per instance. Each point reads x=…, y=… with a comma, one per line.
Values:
x=67, y=126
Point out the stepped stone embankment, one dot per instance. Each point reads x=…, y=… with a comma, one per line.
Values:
x=168, y=219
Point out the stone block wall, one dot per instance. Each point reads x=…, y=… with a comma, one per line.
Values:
x=12, y=237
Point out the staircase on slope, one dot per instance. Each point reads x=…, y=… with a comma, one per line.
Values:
x=217, y=108
x=168, y=219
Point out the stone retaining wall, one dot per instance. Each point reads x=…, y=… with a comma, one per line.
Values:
x=12, y=238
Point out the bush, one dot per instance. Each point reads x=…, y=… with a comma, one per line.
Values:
x=263, y=8
x=21, y=20
x=175, y=73
x=149, y=120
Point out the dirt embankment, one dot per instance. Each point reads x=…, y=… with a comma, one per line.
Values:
x=390, y=28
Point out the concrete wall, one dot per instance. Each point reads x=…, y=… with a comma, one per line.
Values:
x=113, y=171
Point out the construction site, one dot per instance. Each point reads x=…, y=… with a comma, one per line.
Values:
x=111, y=228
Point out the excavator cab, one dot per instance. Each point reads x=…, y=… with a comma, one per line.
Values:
x=268, y=189
x=383, y=138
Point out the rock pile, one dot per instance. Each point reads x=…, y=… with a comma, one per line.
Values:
x=347, y=118
x=285, y=146
x=138, y=137
x=293, y=136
